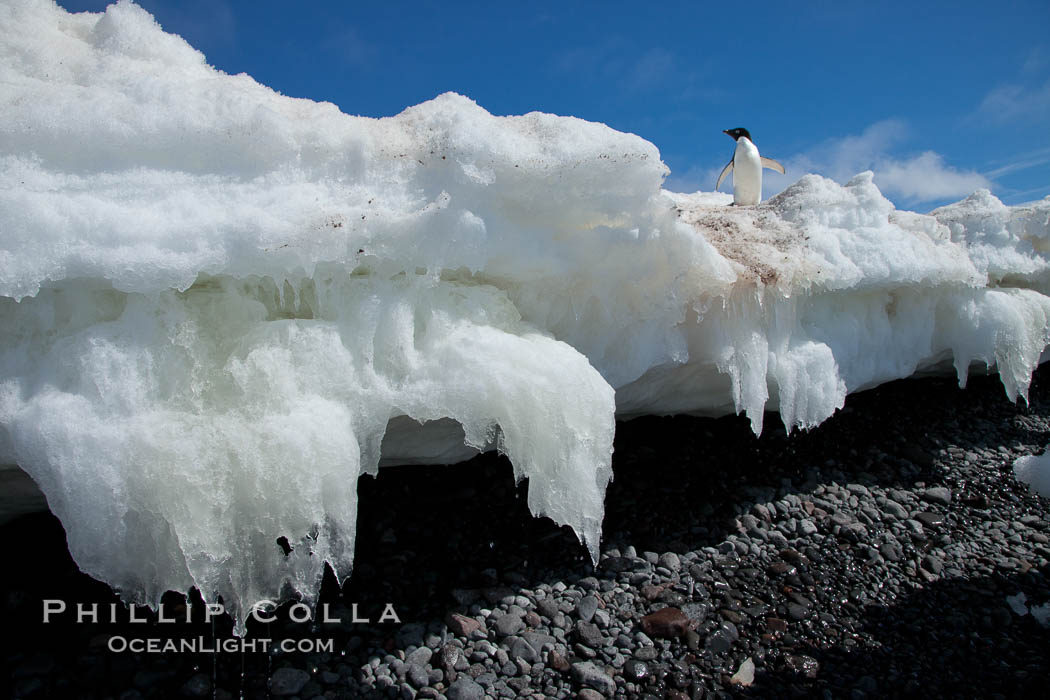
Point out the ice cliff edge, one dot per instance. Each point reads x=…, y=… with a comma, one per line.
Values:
x=222, y=305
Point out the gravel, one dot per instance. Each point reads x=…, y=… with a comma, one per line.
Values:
x=889, y=552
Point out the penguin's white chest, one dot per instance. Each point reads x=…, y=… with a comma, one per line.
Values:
x=747, y=173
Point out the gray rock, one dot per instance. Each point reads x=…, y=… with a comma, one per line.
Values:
x=417, y=676
x=288, y=681
x=586, y=608
x=932, y=564
x=589, y=675
x=420, y=656
x=537, y=639
x=670, y=561
x=509, y=624
x=915, y=528
x=858, y=489
x=841, y=519
x=588, y=583
x=465, y=689
x=588, y=694
x=519, y=648
x=547, y=607
x=895, y=509
x=890, y=550
x=645, y=653
x=486, y=679
x=938, y=494
x=777, y=539
x=588, y=633
x=583, y=651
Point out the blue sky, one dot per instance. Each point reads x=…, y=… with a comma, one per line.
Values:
x=938, y=98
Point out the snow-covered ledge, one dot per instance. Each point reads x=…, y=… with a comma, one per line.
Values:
x=222, y=305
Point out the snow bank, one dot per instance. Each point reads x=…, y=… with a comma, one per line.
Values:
x=223, y=305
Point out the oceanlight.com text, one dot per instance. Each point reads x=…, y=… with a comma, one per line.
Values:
x=201, y=645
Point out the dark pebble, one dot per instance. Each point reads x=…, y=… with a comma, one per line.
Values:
x=929, y=519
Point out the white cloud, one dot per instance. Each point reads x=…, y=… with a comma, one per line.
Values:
x=1014, y=102
x=1023, y=162
x=909, y=179
x=925, y=177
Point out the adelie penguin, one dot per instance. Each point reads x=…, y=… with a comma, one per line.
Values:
x=746, y=166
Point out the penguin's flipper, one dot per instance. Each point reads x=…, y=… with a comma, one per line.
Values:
x=772, y=165
x=725, y=171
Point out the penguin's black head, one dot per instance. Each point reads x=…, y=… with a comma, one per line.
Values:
x=738, y=132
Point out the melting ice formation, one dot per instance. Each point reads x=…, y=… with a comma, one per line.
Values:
x=222, y=305
x=1035, y=471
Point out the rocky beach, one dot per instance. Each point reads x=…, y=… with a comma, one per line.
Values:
x=890, y=552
